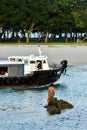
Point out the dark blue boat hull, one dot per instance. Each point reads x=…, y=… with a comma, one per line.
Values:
x=37, y=78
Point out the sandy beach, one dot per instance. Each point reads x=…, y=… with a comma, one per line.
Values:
x=74, y=54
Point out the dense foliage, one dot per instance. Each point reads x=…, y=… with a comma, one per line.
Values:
x=48, y=18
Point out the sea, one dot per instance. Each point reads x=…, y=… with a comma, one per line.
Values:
x=24, y=109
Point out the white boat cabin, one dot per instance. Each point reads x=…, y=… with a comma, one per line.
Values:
x=31, y=63
x=11, y=68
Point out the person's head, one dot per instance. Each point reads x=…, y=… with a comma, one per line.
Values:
x=51, y=84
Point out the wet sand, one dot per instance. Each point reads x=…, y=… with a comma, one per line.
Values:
x=74, y=54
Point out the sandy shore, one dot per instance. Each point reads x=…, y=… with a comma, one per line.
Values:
x=74, y=54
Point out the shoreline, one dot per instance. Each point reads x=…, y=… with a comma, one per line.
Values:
x=74, y=54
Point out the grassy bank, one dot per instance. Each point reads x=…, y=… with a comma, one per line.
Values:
x=42, y=43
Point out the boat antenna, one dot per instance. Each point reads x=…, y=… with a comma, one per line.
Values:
x=39, y=50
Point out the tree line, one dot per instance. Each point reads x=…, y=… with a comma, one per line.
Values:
x=50, y=19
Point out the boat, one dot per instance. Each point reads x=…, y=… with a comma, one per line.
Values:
x=30, y=71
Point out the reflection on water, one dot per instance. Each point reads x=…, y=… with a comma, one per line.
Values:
x=23, y=109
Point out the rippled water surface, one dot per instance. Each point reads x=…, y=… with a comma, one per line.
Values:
x=24, y=109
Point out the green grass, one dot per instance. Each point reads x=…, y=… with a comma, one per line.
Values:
x=42, y=43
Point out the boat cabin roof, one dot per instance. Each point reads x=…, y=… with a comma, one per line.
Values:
x=5, y=62
x=30, y=58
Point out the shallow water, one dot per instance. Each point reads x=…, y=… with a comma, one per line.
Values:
x=24, y=109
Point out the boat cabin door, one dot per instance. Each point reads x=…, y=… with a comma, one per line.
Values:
x=39, y=64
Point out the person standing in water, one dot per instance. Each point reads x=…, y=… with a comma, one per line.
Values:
x=51, y=92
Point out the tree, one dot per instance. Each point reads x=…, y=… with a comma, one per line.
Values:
x=37, y=15
x=80, y=16
x=45, y=16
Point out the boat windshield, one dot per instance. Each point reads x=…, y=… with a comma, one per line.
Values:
x=15, y=59
x=32, y=62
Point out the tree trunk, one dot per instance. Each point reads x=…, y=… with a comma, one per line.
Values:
x=1, y=31
x=7, y=34
x=71, y=37
x=27, y=37
x=66, y=38
x=18, y=38
x=4, y=34
x=29, y=31
x=38, y=36
x=46, y=38
x=76, y=39
x=60, y=35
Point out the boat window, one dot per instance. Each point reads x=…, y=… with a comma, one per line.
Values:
x=12, y=59
x=20, y=60
x=32, y=62
x=39, y=64
x=44, y=61
x=26, y=61
x=3, y=70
